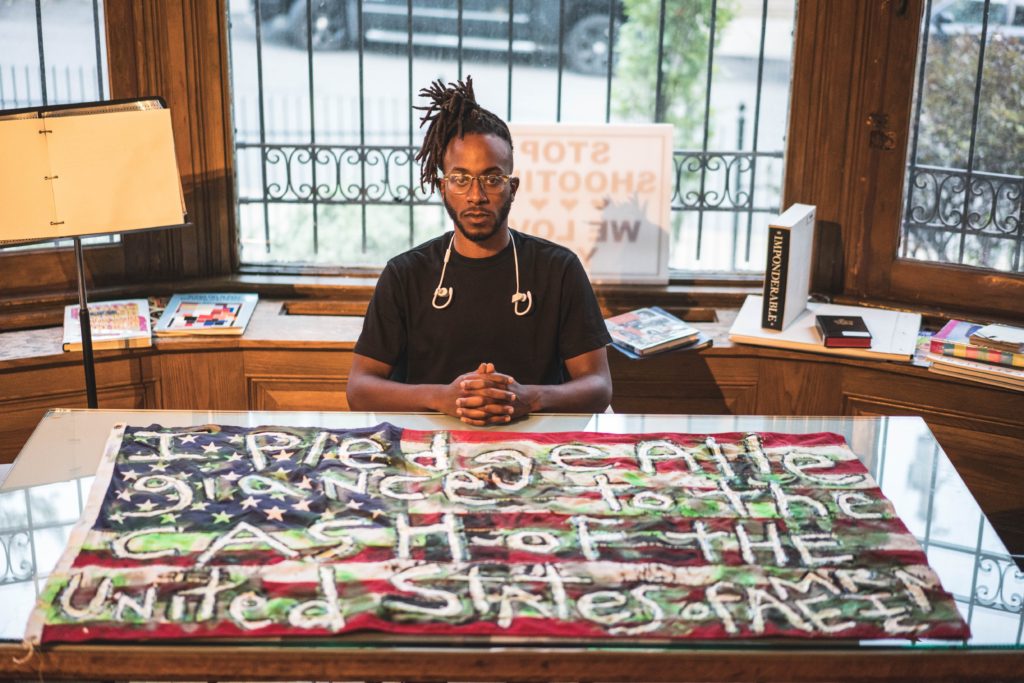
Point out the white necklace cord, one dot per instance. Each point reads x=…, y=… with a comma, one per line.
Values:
x=519, y=296
x=445, y=293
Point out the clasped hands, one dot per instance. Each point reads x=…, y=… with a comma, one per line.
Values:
x=487, y=397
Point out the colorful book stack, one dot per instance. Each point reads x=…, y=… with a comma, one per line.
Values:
x=991, y=354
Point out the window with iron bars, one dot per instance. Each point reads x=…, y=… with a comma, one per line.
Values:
x=325, y=133
x=965, y=163
x=53, y=53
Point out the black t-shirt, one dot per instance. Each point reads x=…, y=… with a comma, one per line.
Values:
x=430, y=346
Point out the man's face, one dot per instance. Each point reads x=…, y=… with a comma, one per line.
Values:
x=478, y=214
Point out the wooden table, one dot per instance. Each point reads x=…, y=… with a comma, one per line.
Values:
x=42, y=496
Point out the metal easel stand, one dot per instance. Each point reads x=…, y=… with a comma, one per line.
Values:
x=88, y=360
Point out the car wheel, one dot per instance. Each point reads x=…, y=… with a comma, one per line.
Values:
x=586, y=45
x=327, y=20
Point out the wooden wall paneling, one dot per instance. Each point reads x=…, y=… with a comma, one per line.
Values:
x=297, y=380
x=683, y=382
x=962, y=405
x=201, y=380
x=797, y=387
x=177, y=49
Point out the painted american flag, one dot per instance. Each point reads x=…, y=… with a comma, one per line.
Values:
x=221, y=531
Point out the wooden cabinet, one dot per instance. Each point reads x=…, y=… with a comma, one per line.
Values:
x=296, y=380
x=684, y=383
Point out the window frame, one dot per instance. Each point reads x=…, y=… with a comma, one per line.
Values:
x=178, y=50
x=852, y=95
x=852, y=83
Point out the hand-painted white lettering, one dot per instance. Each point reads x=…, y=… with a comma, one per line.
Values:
x=783, y=500
x=588, y=540
x=773, y=543
x=320, y=613
x=143, y=611
x=892, y=615
x=804, y=543
x=852, y=579
x=651, y=607
x=916, y=587
x=460, y=480
x=533, y=541
x=603, y=607
x=651, y=500
x=243, y=605
x=333, y=480
x=803, y=586
x=720, y=595
x=720, y=458
x=444, y=603
x=388, y=486
x=606, y=489
x=566, y=454
x=119, y=545
x=649, y=453
x=510, y=596
x=695, y=611
x=760, y=600
x=702, y=536
x=436, y=459
x=362, y=453
x=733, y=497
x=260, y=444
x=94, y=608
x=500, y=457
x=449, y=526
x=316, y=449
x=207, y=593
x=799, y=462
x=819, y=618
x=549, y=574
x=848, y=500
x=754, y=450
x=244, y=534
x=256, y=484
x=158, y=484
x=166, y=448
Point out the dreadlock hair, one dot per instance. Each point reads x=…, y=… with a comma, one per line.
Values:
x=452, y=111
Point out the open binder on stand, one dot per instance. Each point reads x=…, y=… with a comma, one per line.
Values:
x=70, y=171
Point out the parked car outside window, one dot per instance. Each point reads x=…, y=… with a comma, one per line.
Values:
x=485, y=25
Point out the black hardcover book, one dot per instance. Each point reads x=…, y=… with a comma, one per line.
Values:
x=843, y=331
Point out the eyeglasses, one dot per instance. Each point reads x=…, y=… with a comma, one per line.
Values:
x=459, y=183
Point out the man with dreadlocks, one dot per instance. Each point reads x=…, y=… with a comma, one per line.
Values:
x=448, y=328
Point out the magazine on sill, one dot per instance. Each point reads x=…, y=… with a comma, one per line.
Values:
x=650, y=330
x=118, y=324
x=206, y=313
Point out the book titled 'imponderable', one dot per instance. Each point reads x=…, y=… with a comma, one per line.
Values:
x=787, y=276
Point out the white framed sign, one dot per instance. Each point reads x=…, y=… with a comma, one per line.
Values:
x=603, y=191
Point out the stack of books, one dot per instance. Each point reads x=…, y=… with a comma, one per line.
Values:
x=120, y=324
x=647, y=331
x=991, y=354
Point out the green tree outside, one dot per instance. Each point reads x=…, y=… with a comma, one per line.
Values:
x=684, y=62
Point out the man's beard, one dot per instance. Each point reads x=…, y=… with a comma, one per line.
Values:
x=499, y=220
